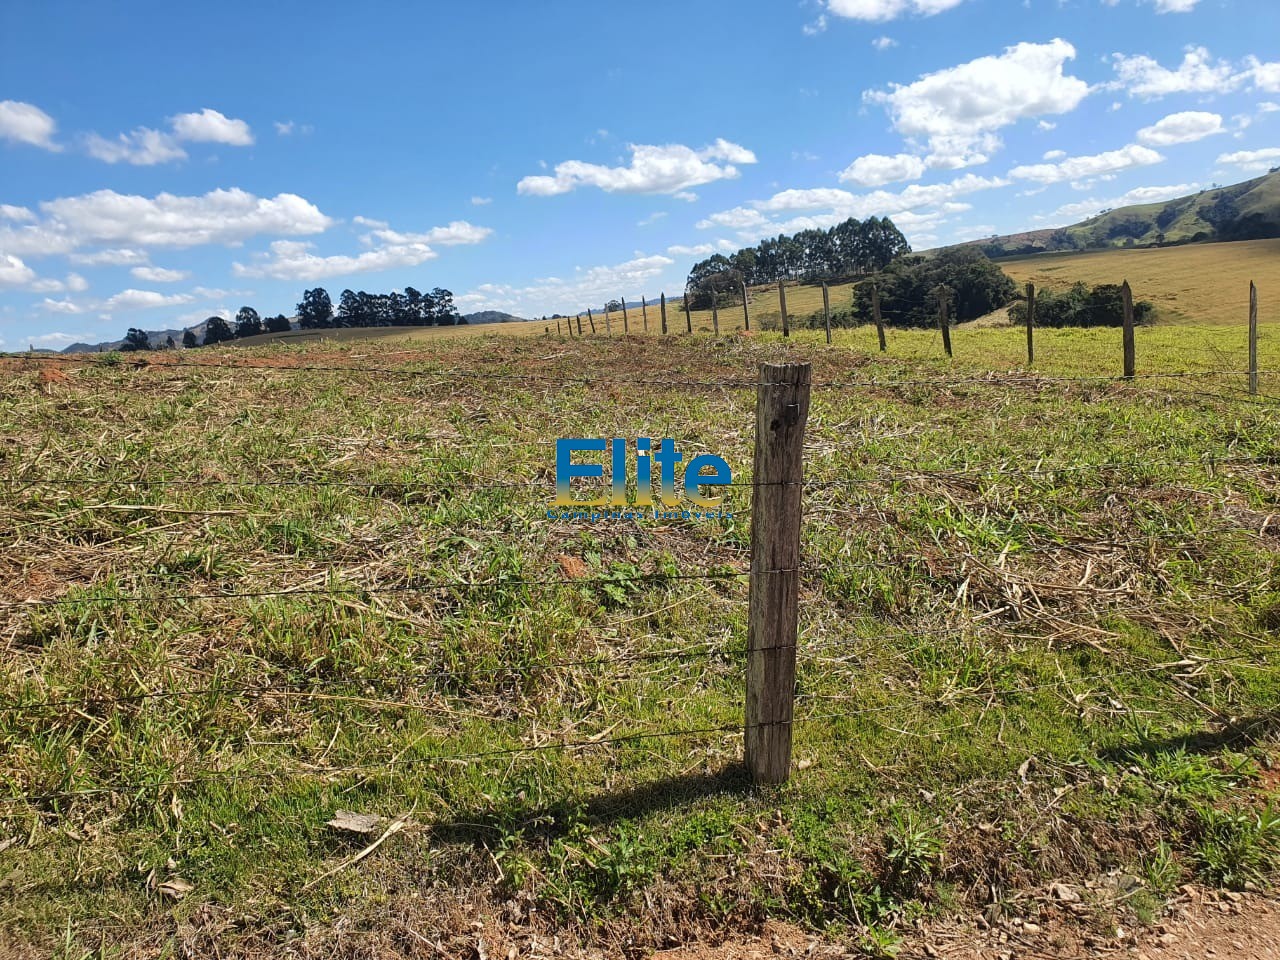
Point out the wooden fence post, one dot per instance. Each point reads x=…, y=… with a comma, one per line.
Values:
x=644, y=312
x=875, y=312
x=662, y=306
x=1126, y=295
x=608, y=324
x=715, y=315
x=782, y=305
x=782, y=409
x=557, y=328
x=626, y=328
x=1253, y=339
x=943, y=323
x=746, y=317
x=1031, y=324
x=592, y=320
x=579, y=324
x=688, y=312
x=826, y=311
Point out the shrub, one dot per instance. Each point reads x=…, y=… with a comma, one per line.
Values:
x=910, y=287
x=1080, y=306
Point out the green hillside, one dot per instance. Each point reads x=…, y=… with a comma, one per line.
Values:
x=1242, y=211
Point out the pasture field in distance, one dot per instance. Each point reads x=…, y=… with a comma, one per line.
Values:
x=1200, y=283
x=1037, y=643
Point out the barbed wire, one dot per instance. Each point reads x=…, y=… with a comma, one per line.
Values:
x=423, y=586
x=805, y=652
x=386, y=766
x=615, y=579
x=1013, y=379
x=1005, y=468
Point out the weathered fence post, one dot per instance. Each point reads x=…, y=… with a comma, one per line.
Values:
x=1126, y=295
x=943, y=323
x=557, y=328
x=1253, y=339
x=746, y=317
x=608, y=324
x=826, y=311
x=662, y=306
x=715, y=315
x=875, y=312
x=644, y=312
x=782, y=409
x=688, y=312
x=782, y=305
x=626, y=328
x=592, y=320
x=1031, y=324
x=579, y=324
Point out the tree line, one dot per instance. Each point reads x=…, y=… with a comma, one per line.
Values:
x=854, y=248
x=316, y=311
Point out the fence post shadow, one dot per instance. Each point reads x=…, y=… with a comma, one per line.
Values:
x=552, y=820
x=1241, y=731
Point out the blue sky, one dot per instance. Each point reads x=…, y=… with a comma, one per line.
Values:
x=163, y=162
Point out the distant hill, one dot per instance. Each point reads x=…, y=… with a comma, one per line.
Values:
x=492, y=316
x=157, y=339
x=1243, y=211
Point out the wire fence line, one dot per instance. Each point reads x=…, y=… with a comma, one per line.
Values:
x=318, y=687
x=1007, y=468
x=621, y=579
x=454, y=373
x=387, y=766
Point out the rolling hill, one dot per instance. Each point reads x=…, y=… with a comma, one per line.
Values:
x=1242, y=211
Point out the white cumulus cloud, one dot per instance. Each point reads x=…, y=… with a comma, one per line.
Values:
x=113, y=219
x=159, y=274
x=956, y=112
x=1265, y=76
x=1144, y=77
x=456, y=233
x=296, y=260
x=293, y=260
x=1085, y=168
x=27, y=123
x=916, y=207
x=17, y=214
x=880, y=10
x=145, y=147
x=1252, y=161
x=14, y=273
x=1083, y=209
x=1185, y=127
x=210, y=126
x=672, y=168
x=144, y=300
x=110, y=258
x=874, y=169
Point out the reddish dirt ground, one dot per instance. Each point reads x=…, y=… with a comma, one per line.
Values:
x=1199, y=925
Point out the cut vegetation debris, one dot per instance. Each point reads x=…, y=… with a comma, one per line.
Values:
x=1038, y=646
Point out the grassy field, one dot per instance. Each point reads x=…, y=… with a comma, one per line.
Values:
x=1038, y=643
x=375, y=334
x=1195, y=284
